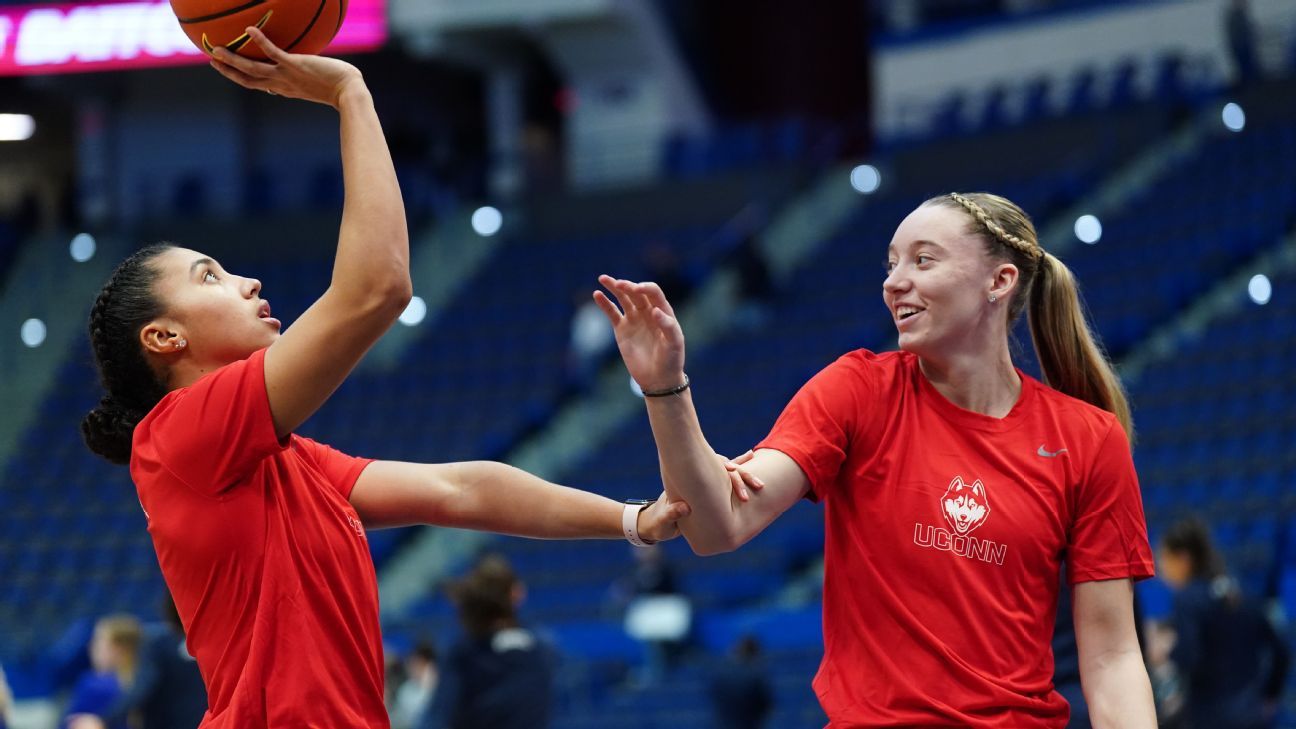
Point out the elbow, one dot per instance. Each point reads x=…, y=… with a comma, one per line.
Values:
x=713, y=543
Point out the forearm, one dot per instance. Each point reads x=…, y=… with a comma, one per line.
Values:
x=692, y=473
x=1118, y=692
x=373, y=242
x=500, y=498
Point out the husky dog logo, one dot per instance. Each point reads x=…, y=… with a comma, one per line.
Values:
x=965, y=507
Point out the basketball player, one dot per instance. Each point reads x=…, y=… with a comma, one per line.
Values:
x=954, y=485
x=259, y=532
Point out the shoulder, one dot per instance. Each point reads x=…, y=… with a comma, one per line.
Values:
x=865, y=368
x=1075, y=417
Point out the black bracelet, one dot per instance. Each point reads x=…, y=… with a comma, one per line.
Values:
x=666, y=393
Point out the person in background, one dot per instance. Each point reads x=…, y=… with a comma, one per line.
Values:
x=741, y=694
x=416, y=690
x=1240, y=32
x=168, y=690
x=114, y=658
x=500, y=675
x=1230, y=660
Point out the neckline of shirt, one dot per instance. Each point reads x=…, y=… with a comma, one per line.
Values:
x=968, y=418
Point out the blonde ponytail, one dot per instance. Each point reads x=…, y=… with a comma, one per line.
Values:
x=1069, y=355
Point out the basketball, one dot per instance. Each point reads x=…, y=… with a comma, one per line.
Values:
x=297, y=26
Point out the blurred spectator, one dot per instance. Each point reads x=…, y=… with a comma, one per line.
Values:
x=415, y=692
x=1231, y=662
x=755, y=285
x=114, y=657
x=590, y=343
x=741, y=694
x=168, y=689
x=663, y=267
x=500, y=675
x=656, y=612
x=1241, y=41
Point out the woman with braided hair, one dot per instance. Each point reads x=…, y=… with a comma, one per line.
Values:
x=955, y=486
x=260, y=532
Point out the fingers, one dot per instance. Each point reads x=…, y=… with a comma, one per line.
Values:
x=235, y=75
x=256, y=69
x=653, y=293
x=609, y=309
x=738, y=487
x=267, y=46
x=744, y=457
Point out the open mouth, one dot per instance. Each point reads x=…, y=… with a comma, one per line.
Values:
x=907, y=312
x=264, y=314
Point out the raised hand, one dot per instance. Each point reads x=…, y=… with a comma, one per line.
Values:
x=649, y=337
x=297, y=76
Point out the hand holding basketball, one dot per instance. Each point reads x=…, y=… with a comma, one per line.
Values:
x=297, y=76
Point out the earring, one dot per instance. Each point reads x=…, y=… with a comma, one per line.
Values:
x=181, y=344
x=993, y=298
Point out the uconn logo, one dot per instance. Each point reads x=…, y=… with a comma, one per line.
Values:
x=965, y=508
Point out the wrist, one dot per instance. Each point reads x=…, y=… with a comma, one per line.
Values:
x=351, y=91
x=675, y=386
x=631, y=516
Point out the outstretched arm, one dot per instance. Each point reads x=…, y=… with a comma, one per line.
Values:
x=652, y=345
x=496, y=497
x=371, y=280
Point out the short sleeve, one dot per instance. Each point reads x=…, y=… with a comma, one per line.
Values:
x=1108, y=538
x=214, y=433
x=818, y=426
x=339, y=469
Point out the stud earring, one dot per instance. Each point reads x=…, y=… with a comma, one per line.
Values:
x=993, y=298
x=181, y=344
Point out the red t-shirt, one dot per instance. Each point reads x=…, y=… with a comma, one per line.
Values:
x=945, y=533
x=267, y=561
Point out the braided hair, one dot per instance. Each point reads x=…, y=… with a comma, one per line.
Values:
x=1069, y=354
x=125, y=304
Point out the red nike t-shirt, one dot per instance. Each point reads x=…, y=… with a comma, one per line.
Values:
x=945, y=534
x=266, y=559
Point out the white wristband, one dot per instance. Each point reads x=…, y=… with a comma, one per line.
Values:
x=630, y=524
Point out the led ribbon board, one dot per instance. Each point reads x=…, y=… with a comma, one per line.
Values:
x=69, y=38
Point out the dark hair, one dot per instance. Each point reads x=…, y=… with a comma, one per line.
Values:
x=1191, y=538
x=485, y=597
x=125, y=304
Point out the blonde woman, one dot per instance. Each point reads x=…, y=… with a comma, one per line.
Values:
x=955, y=486
x=114, y=655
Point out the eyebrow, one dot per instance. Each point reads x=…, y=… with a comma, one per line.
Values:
x=200, y=262
x=919, y=244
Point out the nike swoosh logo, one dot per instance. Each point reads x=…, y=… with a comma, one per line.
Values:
x=1049, y=454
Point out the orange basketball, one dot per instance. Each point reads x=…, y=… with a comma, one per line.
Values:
x=297, y=26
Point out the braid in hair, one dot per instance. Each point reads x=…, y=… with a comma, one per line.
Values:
x=1069, y=354
x=124, y=305
x=1034, y=250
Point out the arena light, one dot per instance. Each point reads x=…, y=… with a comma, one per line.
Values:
x=32, y=333
x=486, y=221
x=1088, y=229
x=1234, y=117
x=1260, y=289
x=91, y=36
x=82, y=247
x=866, y=179
x=16, y=127
x=414, y=312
